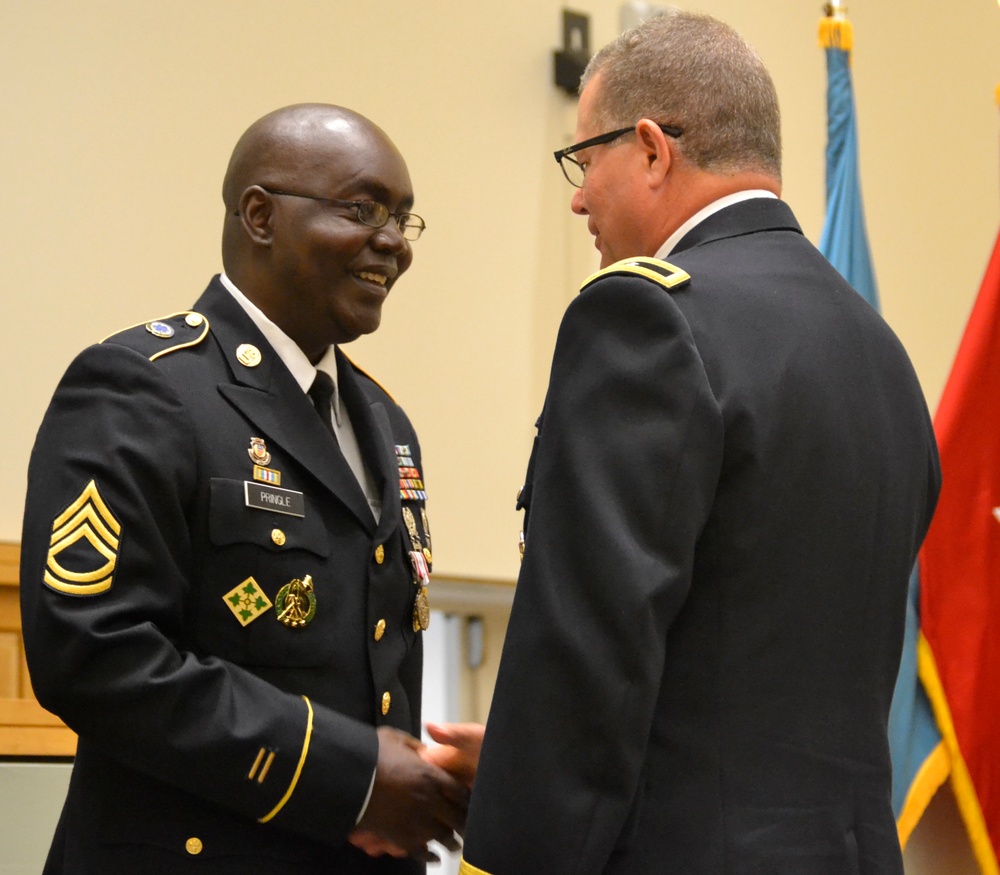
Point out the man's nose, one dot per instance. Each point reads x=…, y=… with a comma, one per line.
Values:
x=390, y=238
x=577, y=204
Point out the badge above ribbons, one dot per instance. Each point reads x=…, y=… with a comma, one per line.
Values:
x=83, y=549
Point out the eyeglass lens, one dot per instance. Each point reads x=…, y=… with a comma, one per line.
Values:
x=375, y=215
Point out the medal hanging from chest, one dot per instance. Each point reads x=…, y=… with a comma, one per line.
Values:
x=420, y=560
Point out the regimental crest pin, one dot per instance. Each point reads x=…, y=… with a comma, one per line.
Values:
x=247, y=601
x=160, y=329
x=258, y=451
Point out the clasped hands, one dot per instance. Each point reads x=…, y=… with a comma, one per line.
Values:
x=421, y=792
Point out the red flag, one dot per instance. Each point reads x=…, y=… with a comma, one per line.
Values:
x=960, y=574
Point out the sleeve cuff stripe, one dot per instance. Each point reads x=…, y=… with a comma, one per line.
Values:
x=468, y=869
x=298, y=769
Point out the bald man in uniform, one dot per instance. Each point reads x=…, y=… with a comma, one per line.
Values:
x=226, y=546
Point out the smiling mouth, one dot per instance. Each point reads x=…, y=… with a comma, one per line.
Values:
x=377, y=278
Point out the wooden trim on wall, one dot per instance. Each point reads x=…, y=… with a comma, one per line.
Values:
x=26, y=728
x=10, y=559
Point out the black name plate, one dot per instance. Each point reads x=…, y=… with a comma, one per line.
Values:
x=264, y=497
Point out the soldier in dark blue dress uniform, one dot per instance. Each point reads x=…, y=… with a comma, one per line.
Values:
x=221, y=589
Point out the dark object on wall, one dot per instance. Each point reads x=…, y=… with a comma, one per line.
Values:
x=571, y=60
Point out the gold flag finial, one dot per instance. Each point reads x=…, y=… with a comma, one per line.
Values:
x=835, y=31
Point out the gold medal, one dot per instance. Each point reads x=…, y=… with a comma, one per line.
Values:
x=296, y=603
x=421, y=611
x=427, y=528
x=411, y=527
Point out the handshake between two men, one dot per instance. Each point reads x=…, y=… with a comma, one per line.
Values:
x=421, y=792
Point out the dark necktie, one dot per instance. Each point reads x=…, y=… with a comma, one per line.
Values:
x=321, y=392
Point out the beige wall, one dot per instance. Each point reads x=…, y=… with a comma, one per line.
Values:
x=119, y=117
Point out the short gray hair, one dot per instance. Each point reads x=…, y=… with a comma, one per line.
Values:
x=695, y=72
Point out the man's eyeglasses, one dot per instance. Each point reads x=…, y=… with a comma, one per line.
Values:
x=370, y=213
x=575, y=172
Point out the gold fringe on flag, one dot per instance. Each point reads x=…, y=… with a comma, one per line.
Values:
x=962, y=787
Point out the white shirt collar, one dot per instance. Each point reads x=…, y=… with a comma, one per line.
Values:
x=705, y=212
x=287, y=349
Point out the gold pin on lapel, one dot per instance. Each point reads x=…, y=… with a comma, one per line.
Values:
x=258, y=451
x=248, y=355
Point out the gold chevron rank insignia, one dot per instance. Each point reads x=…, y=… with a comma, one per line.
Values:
x=663, y=272
x=83, y=549
x=247, y=601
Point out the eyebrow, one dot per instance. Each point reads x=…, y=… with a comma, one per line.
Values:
x=377, y=190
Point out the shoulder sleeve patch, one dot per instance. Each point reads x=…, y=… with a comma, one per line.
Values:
x=667, y=275
x=83, y=549
x=159, y=337
x=365, y=373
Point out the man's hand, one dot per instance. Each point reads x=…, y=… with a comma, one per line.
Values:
x=413, y=802
x=457, y=749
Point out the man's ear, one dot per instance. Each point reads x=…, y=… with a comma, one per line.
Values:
x=656, y=148
x=256, y=210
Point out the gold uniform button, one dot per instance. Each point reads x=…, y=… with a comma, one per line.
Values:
x=380, y=554
x=380, y=631
x=278, y=537
x=386, y=703
x=194, y=319
x=193, y=846
x=519, y=493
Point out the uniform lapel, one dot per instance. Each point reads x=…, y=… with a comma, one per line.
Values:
x=269, y=397
x=374, y=431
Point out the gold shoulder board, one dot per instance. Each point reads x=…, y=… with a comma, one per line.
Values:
x=183, y=329
x=667, y=275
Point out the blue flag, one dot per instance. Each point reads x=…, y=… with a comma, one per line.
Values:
x=920, y=762
x=844, y=240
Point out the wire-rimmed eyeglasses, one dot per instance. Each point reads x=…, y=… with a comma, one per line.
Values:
x=370, y=213
x=575, y=172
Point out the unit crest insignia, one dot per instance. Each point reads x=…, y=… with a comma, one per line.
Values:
x=258, y=451
x=247, y=601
